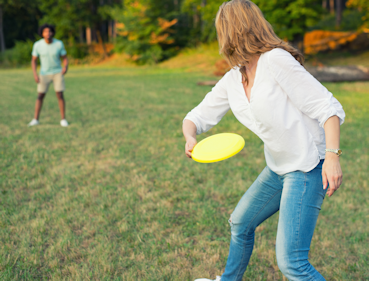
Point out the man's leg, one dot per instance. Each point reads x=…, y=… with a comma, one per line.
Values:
x=38, y=106
x=42, y=88
x=61, y=101
x=59, y=87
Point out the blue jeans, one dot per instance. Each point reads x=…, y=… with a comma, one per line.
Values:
x=298, y=196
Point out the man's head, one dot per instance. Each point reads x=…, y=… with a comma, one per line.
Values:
x=46, y=31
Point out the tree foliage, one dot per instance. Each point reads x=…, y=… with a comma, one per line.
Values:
x=19, y=20
x=66, y=15
x=362, y=6
x=153, y=30
x=146, y=29
x=140, y=21
x=72, y=16
x=202, y=14
x=290, y=19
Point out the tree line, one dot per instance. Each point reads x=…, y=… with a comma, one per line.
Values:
x=153, y=30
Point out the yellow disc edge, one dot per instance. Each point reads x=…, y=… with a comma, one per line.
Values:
x=223, y=158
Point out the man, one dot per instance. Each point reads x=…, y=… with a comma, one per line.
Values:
x=50, y=50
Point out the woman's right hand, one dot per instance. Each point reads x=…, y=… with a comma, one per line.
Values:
x=37, y=79
x=190, y=144
x=189, y=132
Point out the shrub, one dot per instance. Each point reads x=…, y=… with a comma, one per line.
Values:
x=146, y=38
x=352, y=20
x=19, y=55
x=22, y=52
x=77, y=51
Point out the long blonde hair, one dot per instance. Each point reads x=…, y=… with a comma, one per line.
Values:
x=243, y=32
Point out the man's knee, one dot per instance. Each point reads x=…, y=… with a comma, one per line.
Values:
x=41, y=96
x=59, y=95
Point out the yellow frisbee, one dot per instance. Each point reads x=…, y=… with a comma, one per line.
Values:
x=217, y=148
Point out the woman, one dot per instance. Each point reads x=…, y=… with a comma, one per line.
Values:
x=298, y=119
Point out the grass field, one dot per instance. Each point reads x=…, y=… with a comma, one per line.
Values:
x=112, y=197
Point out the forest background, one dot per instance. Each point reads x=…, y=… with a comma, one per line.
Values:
x=150, y=31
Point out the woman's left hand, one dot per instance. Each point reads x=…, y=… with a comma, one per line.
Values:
x=331, y=173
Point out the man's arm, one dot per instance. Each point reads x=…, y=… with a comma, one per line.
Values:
x=34, y=68
x=65, y=64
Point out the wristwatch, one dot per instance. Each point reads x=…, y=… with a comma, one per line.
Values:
x=338, y=151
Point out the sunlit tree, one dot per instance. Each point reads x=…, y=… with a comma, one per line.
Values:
x=363, y=6
x=146, y=29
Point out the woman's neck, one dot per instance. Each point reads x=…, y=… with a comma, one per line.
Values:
x=251, y=67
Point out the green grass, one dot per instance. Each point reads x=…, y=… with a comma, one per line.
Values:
x=113, y=197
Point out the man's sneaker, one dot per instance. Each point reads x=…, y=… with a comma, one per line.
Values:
x=34, y=122
x=64, y=123
x=205, y=279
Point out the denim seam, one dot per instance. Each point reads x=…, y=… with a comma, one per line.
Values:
x=302, y=198
x=243, y=254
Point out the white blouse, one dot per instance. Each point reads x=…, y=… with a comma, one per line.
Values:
x=287, y=110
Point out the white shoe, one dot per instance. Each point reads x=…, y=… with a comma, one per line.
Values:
x=64, y=123
x=205, y=279
x=34, y=122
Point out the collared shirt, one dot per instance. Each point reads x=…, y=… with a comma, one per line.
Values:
x=288, y=109
x=49, y=55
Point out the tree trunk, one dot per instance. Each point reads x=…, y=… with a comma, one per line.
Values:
x=338, y=13
x=88, y=35
x=99, y=38
x=110, y=31
x=324, y=4
x=203, y=4
x=94, y=35
x=2, y=40
x=195, y=17
x=331, y=6
x=102, y=28
x=80, y=30
x=114, y=23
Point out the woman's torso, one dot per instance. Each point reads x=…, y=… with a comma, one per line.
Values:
x=289, y=135
x=288, y=108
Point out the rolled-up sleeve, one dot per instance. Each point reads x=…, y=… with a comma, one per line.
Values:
x=34, y=50
x=305, y=92
x=212, y=109
x=63, y=52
